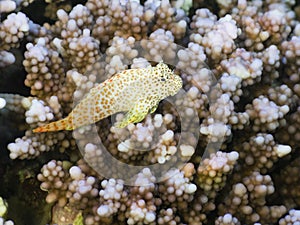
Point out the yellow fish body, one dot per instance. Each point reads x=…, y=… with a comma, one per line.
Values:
x=135, y=91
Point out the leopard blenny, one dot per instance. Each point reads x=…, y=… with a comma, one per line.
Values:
x=135, y=91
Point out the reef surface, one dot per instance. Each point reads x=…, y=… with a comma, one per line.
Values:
x=226, y=151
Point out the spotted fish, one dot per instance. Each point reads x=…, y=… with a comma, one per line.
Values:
x=135, y=91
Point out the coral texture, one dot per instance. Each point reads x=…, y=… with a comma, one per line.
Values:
x=224, y=150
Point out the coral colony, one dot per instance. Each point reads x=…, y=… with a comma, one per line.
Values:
x=239, y=62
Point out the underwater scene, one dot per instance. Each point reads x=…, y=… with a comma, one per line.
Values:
x=156, y=112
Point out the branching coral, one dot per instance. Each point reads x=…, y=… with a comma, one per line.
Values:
x=170, y=18
x=227, y=219
x=292, y=218
x=244, y=65
x=44, y=72
x=212, y=174
x=225, y=150
x=218, y=40
x=266, y=115
x=164, y=49
x=247, y=201
x=261, y=152
x=13, y=30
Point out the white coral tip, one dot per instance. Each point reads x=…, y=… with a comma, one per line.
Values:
x=282, y=150
x=2, y=103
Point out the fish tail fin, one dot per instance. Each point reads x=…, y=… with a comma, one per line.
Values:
x=63, y=124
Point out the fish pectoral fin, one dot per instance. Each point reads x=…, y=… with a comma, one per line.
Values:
x=131, y=116
x=153, y=109
x=137, y=113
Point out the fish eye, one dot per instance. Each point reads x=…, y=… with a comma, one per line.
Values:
x=162, y=78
